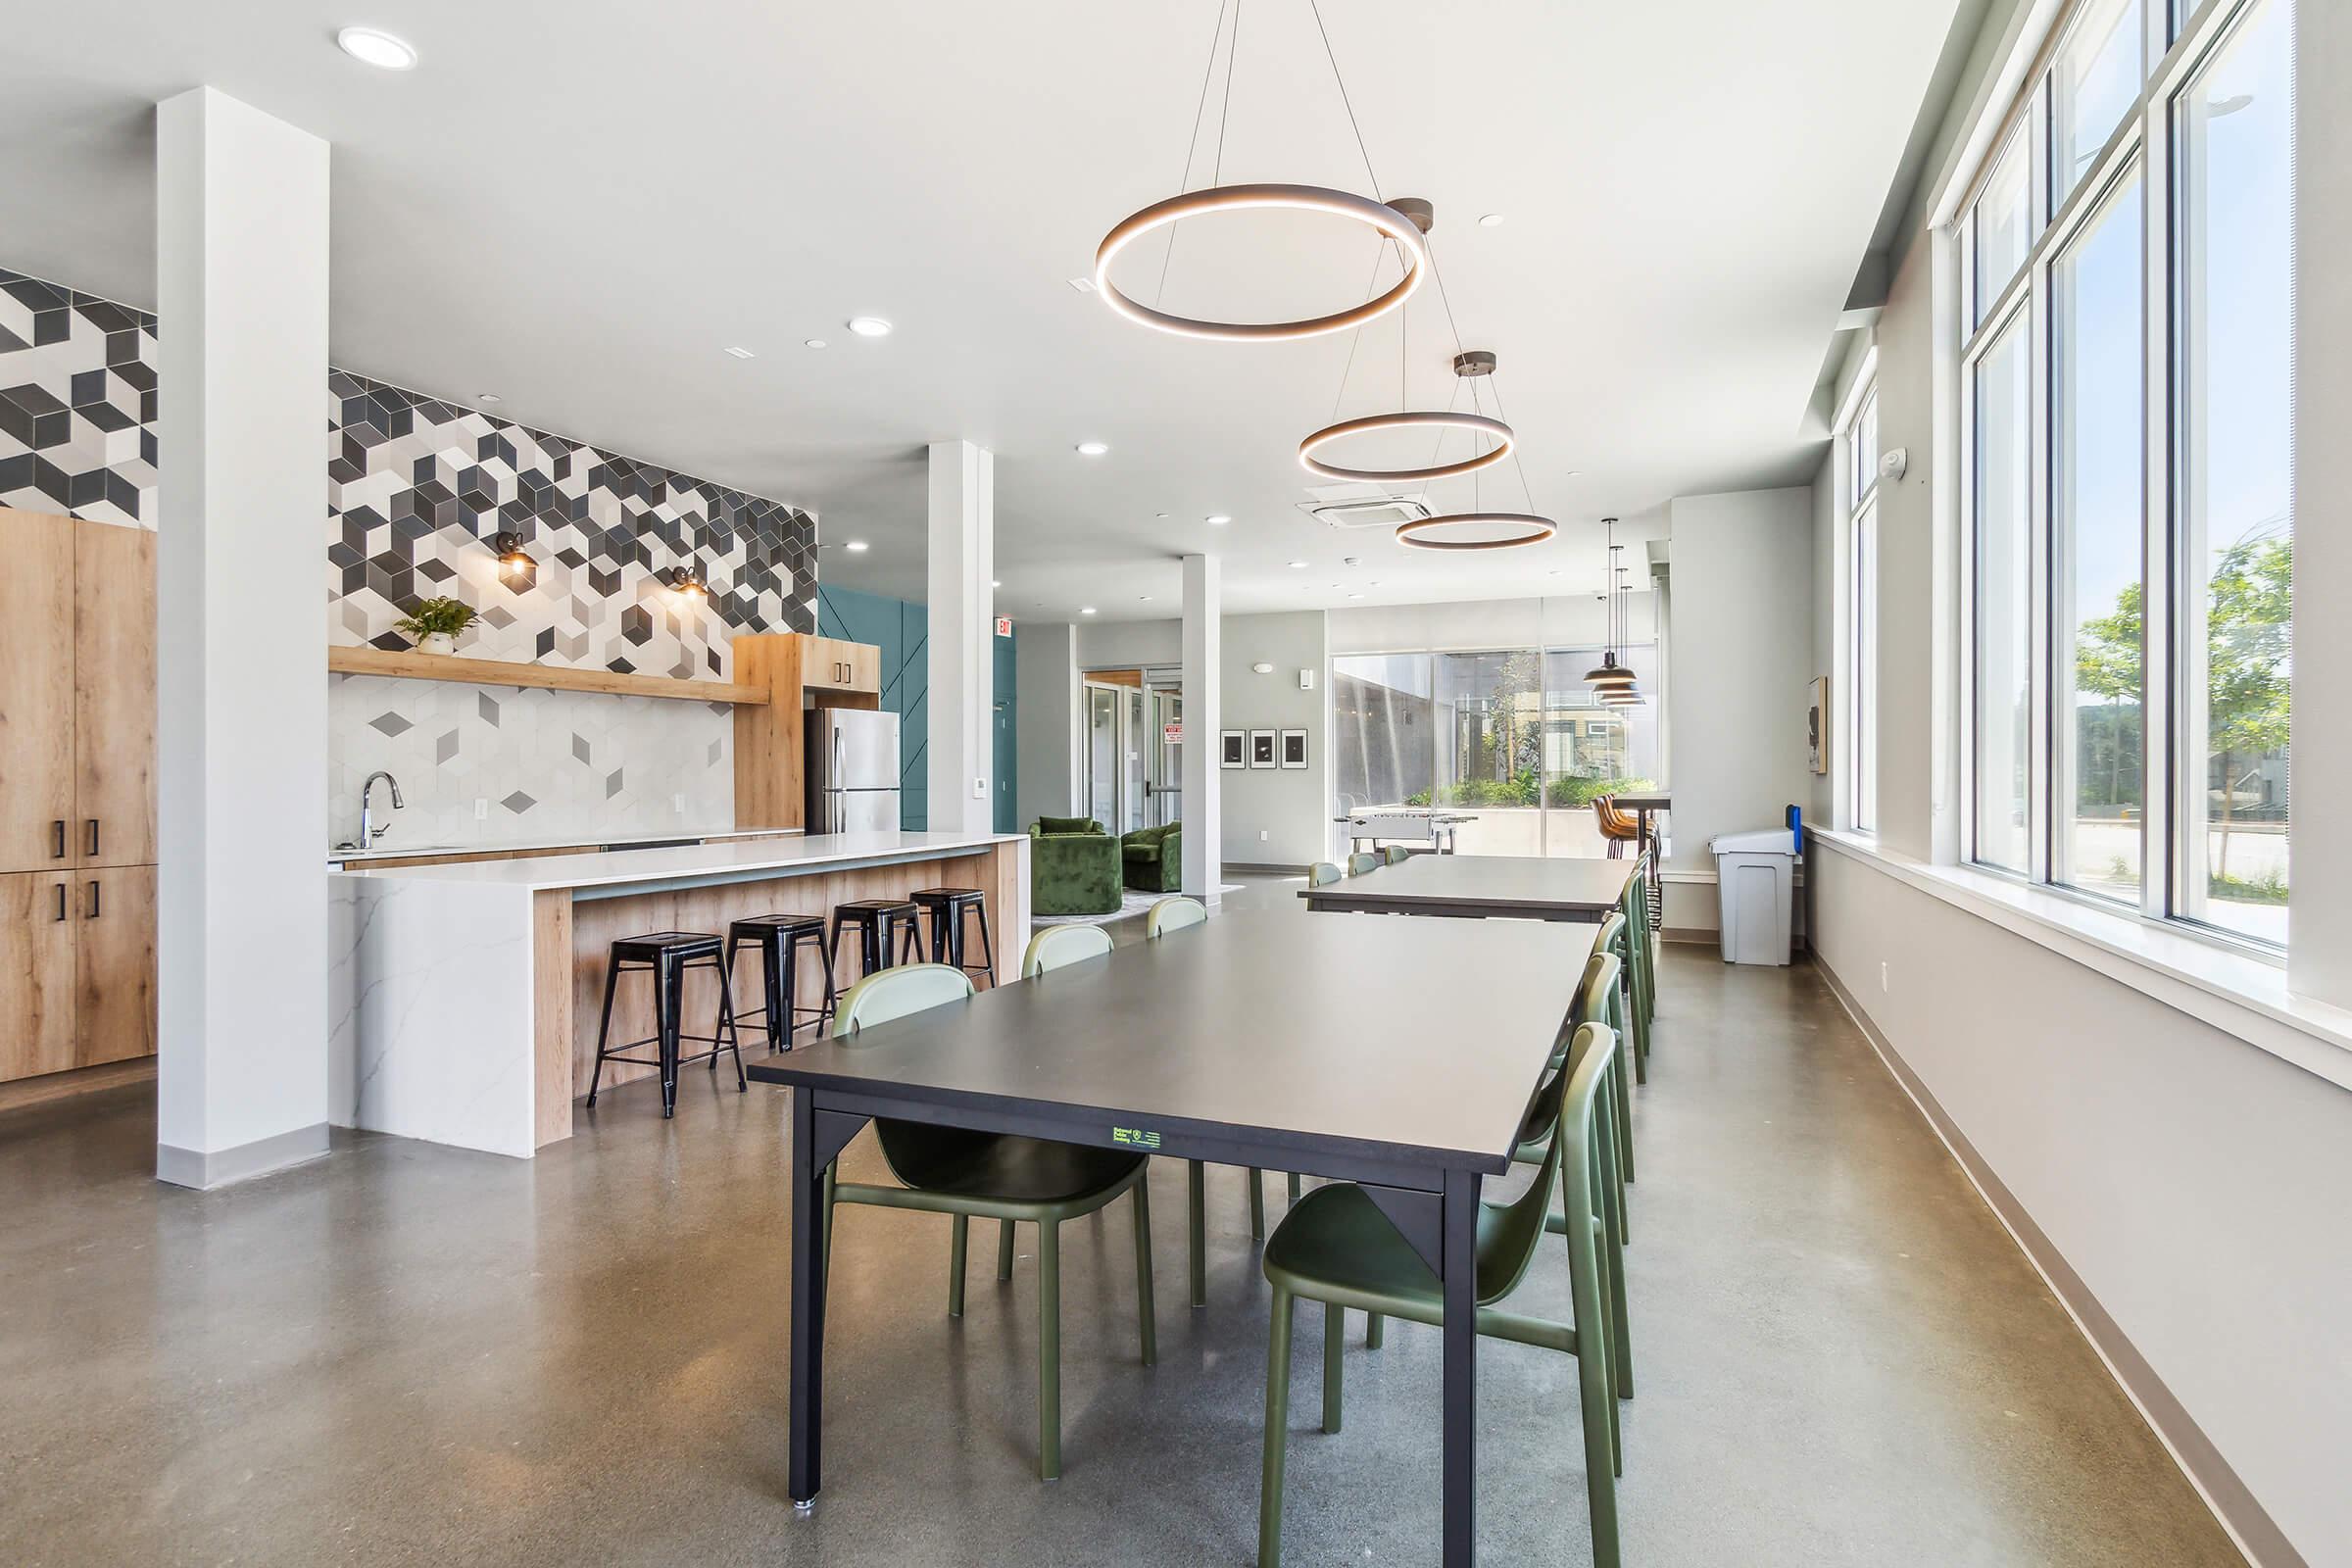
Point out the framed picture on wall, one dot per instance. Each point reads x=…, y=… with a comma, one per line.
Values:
x=1817, y=718
x=1293, y=748
x=1232, y=753
x=1262, y=748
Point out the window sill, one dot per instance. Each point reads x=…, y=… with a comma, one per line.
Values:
x=2242, y=995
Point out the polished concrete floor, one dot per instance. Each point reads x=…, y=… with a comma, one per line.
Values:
x=408, y=1353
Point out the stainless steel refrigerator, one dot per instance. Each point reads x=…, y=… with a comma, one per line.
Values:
x=853, y=768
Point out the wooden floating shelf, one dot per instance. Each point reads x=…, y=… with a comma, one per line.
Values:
x=409, y=664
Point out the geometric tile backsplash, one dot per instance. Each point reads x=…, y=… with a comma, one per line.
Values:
x=416, y=487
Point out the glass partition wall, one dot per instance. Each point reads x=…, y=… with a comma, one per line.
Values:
x=1510, y=738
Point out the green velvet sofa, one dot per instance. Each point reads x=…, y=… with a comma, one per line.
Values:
x=1073, y=866
x=1152, y=858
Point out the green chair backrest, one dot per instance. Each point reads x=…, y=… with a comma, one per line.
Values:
x=1060, y=945
x=1396, y=854
x=1509, y=1247
x=1360, y=862
x=889, y=994
x=1066, y=824
x=1173, y=914
x=1323, y=874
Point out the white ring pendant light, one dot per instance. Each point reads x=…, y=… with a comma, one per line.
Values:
x=1474, y=367
x=1378, y=215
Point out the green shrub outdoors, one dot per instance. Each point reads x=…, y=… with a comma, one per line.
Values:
x=1524, y=789
x=2269, y=888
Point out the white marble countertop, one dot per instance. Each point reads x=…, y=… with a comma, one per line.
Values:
x=397, y=851
x=723, y=859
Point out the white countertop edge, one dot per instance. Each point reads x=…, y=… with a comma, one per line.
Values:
x=2236, y=993
x=400, y=851
x=686, y=862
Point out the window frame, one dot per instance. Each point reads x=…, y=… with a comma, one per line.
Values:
x=1856, y=498
x=2145, y=144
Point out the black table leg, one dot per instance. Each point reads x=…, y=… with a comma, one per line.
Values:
x=1461, y=1280
x=806, y=1460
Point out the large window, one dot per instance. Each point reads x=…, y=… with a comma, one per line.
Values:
x=2126, y=280
x=1862, y=598
x=1513, y=740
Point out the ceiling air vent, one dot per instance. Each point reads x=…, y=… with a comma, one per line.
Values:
x=1362, y=506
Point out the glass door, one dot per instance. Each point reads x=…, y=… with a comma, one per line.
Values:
x=1163, y=745
x=1103, y=768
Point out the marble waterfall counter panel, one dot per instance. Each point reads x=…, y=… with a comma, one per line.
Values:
x=467, y=997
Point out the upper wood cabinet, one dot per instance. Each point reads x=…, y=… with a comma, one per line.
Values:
x=76, y=693
x=114, y=695
x=830, y=665
x=36, y=691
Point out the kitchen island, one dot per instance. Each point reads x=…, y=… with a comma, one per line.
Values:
x=466, y=998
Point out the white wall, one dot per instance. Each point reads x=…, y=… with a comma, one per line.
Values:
x=1740, y=642
x=1045, y=681
x=2194, y=1185
x=1277, y=817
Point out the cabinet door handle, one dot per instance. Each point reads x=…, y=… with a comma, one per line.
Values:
x=61, y=900
x=93, y=901
x=93, y=837
x=58, y=827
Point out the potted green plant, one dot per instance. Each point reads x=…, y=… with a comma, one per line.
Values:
x=435, y=624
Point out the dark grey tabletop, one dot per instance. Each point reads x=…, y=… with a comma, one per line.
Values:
x=1497, y=884
x=1357, y=1036
x=1645, y=801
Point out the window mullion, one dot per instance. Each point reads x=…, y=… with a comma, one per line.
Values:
x=2160, y=688
x=2041, y=576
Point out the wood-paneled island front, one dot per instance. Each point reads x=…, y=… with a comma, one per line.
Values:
x=466, y=998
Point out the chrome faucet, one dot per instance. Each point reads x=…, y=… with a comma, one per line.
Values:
x=369, y=832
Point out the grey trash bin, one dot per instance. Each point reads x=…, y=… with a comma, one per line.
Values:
x=1755, y=886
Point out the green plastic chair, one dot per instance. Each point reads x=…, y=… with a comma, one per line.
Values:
x=1362, y=861
x=1338, y=1249
x=1166, y=916
x=1060, y=945
x=1640, y=955
x=1323, y=874
x=963, y=1173
x=1396, y=855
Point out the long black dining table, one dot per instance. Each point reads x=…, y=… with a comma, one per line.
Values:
x=1352, y=1050
x=1480, y=887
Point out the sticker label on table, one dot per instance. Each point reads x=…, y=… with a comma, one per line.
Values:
x=1135, y=1137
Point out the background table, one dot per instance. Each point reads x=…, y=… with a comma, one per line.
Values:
x=1478, y=886
x=1261, y=1037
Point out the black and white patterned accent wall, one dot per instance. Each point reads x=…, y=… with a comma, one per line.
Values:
x=77, y=404
x=416, y=487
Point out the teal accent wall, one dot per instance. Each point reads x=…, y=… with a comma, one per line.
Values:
x=901, y=630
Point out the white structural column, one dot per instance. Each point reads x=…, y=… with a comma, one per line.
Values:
x=2319, y=961
x=241, y=279
x=1203, y=673
x=959, y=750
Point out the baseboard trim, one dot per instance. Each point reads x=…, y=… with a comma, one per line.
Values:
x=2233, y=1505
x=1265, y=868
x=205, y=1169
x=49, y=1086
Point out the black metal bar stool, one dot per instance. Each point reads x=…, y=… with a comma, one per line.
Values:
x=950, y=909
x=881, y=924
x=778, y=937
x=668, y=954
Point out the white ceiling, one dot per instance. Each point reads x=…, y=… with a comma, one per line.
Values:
x=579, y=207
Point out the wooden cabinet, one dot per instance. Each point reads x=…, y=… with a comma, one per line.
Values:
x=37, y=973
x=830, y=665
x=77, y=794
x=114, y=695
x=114, y=963
x=36, y=691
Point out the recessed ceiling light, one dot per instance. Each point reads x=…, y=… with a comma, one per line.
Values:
x=869, y=326
x=856, y=547
x=1491, y=220
x=739, y=353
x=487, y=397
x=812, y=343
x=1086, y=610
x=1218, y=520
x=1576, y=473
x=995, y=583
x=1143, y=599
x=1093, y=449
x=1161, y=515
x=1297, y=565
x=1356, y=596
x=371, y=46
